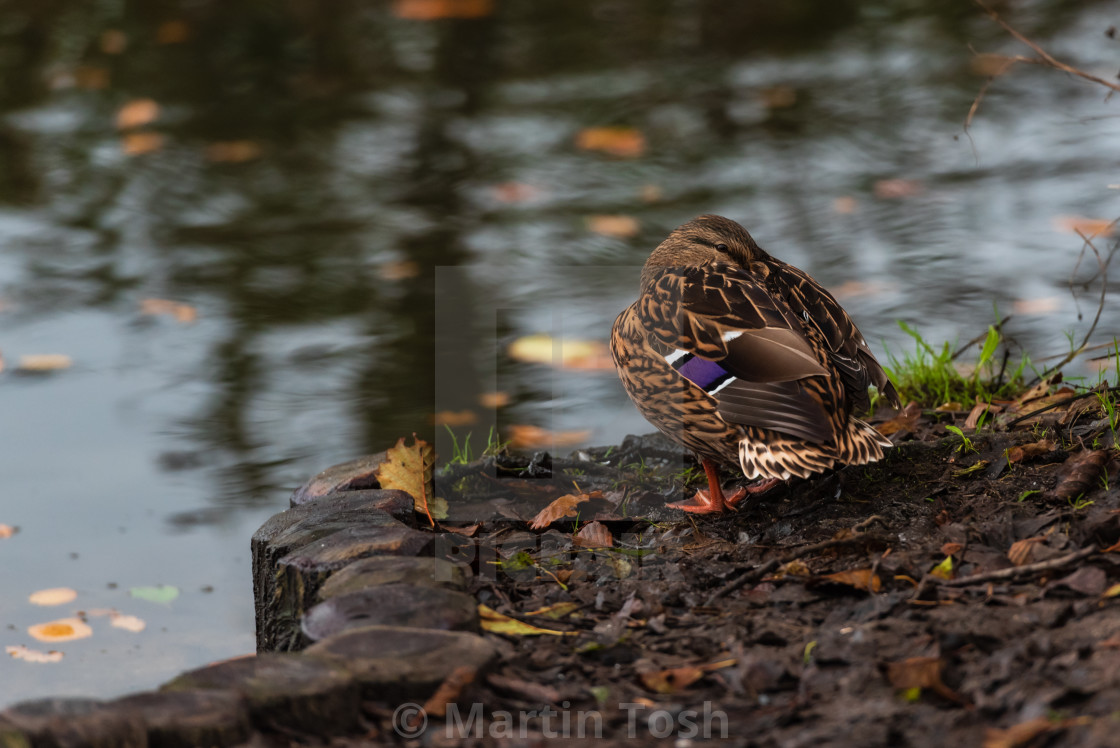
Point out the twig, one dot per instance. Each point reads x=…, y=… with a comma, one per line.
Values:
x=1060, y=403
x=1102, y=267
x=1044, y=55
x=761, y=571
x=1012, y=572
x=979, y=338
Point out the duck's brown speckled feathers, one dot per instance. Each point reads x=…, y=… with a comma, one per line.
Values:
x=743, y=358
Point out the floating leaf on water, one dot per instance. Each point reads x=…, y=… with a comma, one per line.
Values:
x=173, y=32
x=61, y=630
x=113, y=41
x=990, y=65
x=524, y=436
x=454, y=418
x=21, y=652
x=624, y=142
x=496, y=623
x=1044, y=305
x=565, y=506
x=845, y=205
x=897, y=189
x=409, y=469
x=1090, y=227
x=53, y=596
x=512, y=193
x=494, y=399
x=163, y=593
x=432, y=10
x=44, y=362
x=7, y=531
x=592, y=355
x=127, y=622
x=398, y=270
x=184, y=313
x=139, y=143
x=137, y=113
x=233, y=151
x=621, y=227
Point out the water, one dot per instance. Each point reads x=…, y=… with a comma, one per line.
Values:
x=312, y=172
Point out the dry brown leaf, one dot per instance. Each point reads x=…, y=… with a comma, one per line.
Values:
x=512, y=193
x=591, y=355
x=1044, y=305
x=952, y=549
x=450, y=691
x=139, y=143
x=906, y=420
x=921, y=672
x=91, y=78
x=137, y=113
x=1090, y=227
x=21, y=652
x=951, y=407
x=862, y=579
x=624, y=142
x=594, y=535
x=990, y=65
x=565, y=506
x=468, y=532
x=978, y=411
x=622, y=227
x=454, y=418
x=62, y=630
x=845, y=205
x=523, y=436
x=679, y=678
x=651, y=193
x=778, y=97
x=233, y=151
x=1029, y=451
x=184, y=313
x=53, y=596
x=409, y=469
x=1080, y=474
x=1021, y=551
x=432, y=10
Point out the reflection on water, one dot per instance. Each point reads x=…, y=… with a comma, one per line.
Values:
x=300, y=176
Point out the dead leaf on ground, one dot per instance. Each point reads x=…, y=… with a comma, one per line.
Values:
x=679, y=678
x=468, y=532
x=409, y=469
x=497, y=623
x=61, y=630
x=979, y=410
x=1029, y=451
x=21, y=652
x=621, y=227
x=1021, y=552
x=594, y=535
x=906, y=420
x=1080, y=474
x=451, y=690
x=555, y=611
x=1018, y=735
x=952, y=549
x=565, y=506
x=1090, y=227
x=862, y=579
x=53, y=596
x=943, y=570
x=1088, y=580
x=538, y=692
x=433, y=10
x=921, y=672
x=624, y=142
x=525, y=436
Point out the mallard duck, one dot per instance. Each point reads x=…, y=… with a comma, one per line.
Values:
x=746, y=360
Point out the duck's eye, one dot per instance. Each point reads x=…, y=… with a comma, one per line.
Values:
x=721, y=247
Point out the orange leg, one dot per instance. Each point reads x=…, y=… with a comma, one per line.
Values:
x=711, y=501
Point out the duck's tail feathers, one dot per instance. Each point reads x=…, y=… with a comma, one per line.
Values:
x=860, y=444
x=783, y=458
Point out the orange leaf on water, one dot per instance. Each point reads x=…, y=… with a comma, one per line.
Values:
x=126, y=622
x=524, y=436
x=113, y=41
x=61, y=630
x=494, y=399
x=431, y=10
x=136, y=113
x=21, y=652
x=173, y=32
x=1090, y=227
x=7, y=531
x=139, y=143
x=184, y=313
x=897, y=189
x=587, y=355
x=232, y=151
x=454, y=418
x=625, y=142
x=622, y=227
x=53, y=596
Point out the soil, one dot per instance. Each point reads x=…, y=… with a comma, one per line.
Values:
x=959, y=591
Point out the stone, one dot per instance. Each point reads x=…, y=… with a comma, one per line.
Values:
x=61, y=723
x=392, y=605
x=284, y=691
x=184, y=719
x=378, y=570
x=400, y=662
x=12, y=737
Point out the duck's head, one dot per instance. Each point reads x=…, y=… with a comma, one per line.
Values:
x=708, y=238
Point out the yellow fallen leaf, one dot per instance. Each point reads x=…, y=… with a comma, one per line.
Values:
x=21, y=652
x=53, y=596
x=861, y=579
x=409, y=469
x=38, y=362
x=558, y=610
x=496, y=623
x=137, y=113
x=565, y=506
x=1112, y=591
x=590, y=355
x=62, y=630
x=944, y=570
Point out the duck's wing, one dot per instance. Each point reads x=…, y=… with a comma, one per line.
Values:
x=723, y=330
x=847, y=348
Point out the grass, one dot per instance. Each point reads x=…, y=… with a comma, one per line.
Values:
x=932, y=376
x=462, y=454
